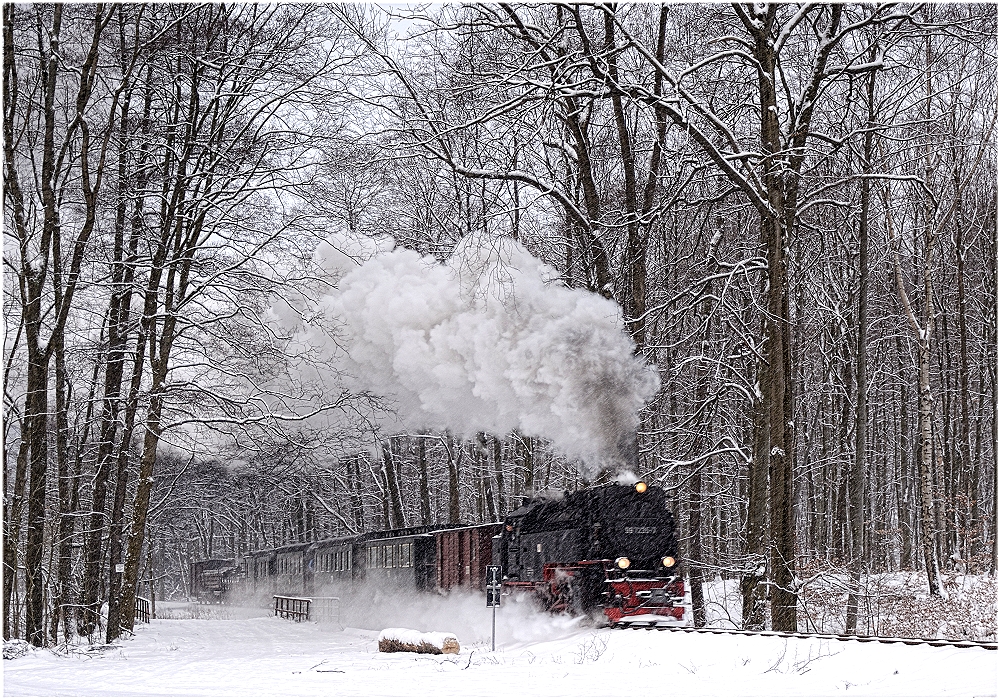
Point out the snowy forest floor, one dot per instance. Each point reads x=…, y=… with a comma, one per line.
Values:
x=244, y=652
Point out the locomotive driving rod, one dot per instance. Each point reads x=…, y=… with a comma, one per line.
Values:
x=960, y=643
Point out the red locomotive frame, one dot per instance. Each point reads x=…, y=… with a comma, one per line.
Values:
x=623, y=601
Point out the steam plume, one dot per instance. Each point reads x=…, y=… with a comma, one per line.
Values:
x=487, y=341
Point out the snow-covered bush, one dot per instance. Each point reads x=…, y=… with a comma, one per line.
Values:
x=897, y=604
x=15, y=649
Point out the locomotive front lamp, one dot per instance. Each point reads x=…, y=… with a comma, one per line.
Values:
x=641, y=487
x=623, y=563
x=668, y=562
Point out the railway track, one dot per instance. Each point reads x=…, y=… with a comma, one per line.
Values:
x=959, y=643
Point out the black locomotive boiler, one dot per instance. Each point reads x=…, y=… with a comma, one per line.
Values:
x=610, y=549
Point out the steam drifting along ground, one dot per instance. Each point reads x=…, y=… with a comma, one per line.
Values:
x=537, y=656
x=489, y=340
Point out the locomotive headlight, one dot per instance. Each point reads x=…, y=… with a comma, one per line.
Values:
x=640, y=487
x=668, y=562
x=623, y=563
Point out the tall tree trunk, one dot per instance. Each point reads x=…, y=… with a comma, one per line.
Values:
x=64, y=531
x=425, y=494
x=777, y=391
x=857, y=483
x=13, y=516
x=140, y=509
x=755, y=566
x=904, y=513
x=925, y=397
x=34, y=611
x=454, y=511
x=480, y=454
x=696, y=557
x=498, y=474
x=527, y=450
x=392, y=483
x=357, y=505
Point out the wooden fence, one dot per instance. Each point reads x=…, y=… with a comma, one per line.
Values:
x=142, y=606
x=301, y=609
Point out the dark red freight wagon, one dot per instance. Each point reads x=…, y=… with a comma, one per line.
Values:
x=463, y=554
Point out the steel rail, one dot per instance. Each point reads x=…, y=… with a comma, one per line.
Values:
x=910, y=641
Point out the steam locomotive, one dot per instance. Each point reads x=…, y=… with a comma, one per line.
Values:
x=609, y=552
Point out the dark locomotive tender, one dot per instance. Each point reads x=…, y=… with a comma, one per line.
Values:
x=609, y=549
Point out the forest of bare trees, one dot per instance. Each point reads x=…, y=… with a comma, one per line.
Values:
x=793, y=205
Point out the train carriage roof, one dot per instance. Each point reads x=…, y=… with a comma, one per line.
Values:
x=415, y=531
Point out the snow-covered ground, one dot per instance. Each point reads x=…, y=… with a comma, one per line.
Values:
x=253, y=655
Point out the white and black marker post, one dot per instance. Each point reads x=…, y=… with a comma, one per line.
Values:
x=493, y=584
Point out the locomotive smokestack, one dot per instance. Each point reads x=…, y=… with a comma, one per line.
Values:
x=489, y=340
x=628, y=450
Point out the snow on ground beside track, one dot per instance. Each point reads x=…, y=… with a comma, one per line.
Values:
x=266, y=656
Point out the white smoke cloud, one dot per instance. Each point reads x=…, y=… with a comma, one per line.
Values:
x=487, y=341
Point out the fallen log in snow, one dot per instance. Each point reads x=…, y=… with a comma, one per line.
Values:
x=398, y=639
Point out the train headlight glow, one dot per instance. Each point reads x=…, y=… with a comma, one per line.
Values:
x=669, y=561
x=641, y=487
x=623, y=562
